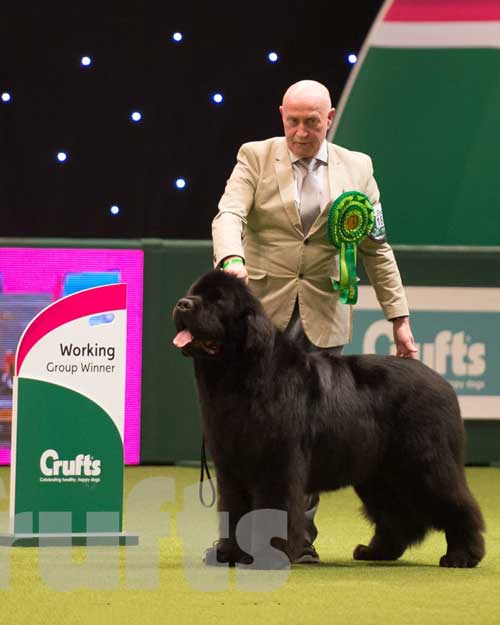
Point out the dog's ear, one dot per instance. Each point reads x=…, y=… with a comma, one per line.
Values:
x=259, y=331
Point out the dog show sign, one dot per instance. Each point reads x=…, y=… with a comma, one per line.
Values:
x=456, y=333
x=68, y=422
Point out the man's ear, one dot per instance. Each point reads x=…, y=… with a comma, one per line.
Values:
x=331, y=115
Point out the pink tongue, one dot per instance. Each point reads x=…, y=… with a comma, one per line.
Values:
x=183, y=338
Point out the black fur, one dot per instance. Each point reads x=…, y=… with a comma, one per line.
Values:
x=280, y=422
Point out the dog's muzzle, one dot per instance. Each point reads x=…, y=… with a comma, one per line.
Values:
x=186, y=304
x=184, y=338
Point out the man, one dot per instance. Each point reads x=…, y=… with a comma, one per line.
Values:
x=271, y=230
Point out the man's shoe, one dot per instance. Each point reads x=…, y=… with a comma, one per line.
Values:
x=308, y=556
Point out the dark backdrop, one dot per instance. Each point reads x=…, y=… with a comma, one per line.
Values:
x=57, y=105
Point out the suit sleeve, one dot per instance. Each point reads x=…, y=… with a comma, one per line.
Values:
x=380, y=263
x=234, y=206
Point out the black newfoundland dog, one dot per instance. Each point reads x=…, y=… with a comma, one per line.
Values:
x=280, y=422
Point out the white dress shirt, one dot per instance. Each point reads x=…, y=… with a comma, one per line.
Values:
x=321, y=172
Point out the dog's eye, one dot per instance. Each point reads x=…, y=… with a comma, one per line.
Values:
x=219, y=297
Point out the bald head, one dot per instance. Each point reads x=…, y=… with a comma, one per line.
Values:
x=307, y=114
x=308, y=90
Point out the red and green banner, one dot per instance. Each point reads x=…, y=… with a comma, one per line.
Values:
x=423, y=101
x=69, y=400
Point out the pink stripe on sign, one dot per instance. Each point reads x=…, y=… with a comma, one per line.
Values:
x=444, y=11
x=89, y=302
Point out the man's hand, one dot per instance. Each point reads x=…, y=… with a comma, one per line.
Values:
x=403, y=338
x=237, y=269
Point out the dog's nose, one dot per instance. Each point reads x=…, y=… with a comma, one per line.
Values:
x=185, y=304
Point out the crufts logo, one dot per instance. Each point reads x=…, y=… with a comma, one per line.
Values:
x=50, y=465
x=449, y=353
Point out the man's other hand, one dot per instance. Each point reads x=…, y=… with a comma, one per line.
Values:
x=403, y=338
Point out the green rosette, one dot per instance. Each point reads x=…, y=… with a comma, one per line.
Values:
x=350, y=220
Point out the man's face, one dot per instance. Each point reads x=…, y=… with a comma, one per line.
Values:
x=306, y=123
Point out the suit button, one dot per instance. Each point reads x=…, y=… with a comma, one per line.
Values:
x=306, y=241
x=301, y=275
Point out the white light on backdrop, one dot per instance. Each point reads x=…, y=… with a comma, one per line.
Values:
x=273, y=57
x=217, y=98
x=6, y=97
x=114, y=210
x=180, y=183
x=62, y=156
x=136, y=116
x=352, y=58
x=177, y=37
x=86, y=61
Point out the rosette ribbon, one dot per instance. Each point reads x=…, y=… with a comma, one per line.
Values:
x=350, y=220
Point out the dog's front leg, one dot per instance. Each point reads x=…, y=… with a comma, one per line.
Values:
x=278, y=523
x=233, y=503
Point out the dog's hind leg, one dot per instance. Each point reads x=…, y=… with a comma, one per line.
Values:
x=395, y=527
x=453, y=508
x=463, y=524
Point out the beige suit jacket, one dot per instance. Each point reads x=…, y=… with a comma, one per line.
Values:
x=258, y=219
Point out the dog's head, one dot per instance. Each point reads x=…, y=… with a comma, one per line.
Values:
x=220, y=316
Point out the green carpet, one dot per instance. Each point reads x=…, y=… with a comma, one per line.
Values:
x=157, y=583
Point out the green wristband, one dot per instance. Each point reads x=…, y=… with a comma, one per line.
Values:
x=233, y=260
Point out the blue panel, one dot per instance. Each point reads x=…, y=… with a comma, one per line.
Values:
x=74, y=282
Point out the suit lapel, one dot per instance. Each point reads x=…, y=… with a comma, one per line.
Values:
x=337, y=182
x=336, y=173
x=286, y=184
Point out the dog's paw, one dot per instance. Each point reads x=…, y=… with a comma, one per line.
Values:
x=212, y=557
x=273, y=560
x=362, y=552
x=459, y=560
x=221, y=554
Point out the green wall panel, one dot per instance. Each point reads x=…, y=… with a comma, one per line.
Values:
x=170, y=430
x=429, y=120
